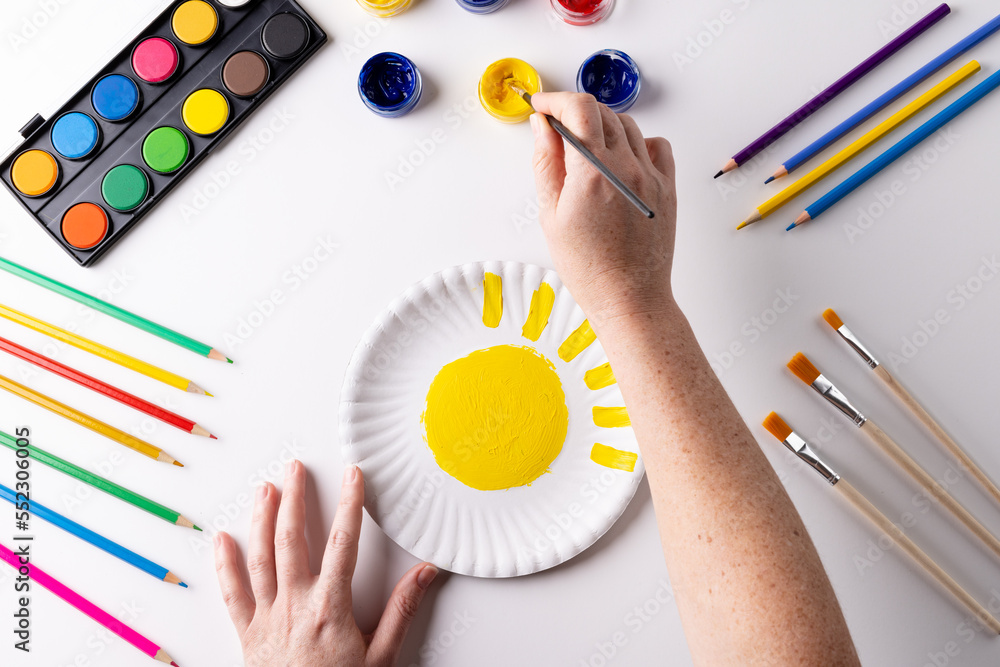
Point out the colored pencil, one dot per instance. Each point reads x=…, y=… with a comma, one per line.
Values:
x=836, y=88
x=38, y=576
x=96, y=425
x=822, y=204
x=911, y=403
x=862, y=143
x=99, y=541
x=793, y=441
x=166, y=416
x=100, y=483
x=887, y=98
x=809, y=374
x=114, y=311
x=102, y=351
x=604, y=169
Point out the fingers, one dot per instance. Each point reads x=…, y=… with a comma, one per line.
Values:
x=342, y=548
x=635, y=139
x=400, y=612
x=579, y=112
x=291, y=559
x=662, y=156
x=260, y=554
x=549, y=162
x=234, y=594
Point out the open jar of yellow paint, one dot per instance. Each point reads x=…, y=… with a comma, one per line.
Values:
x=384, y=8
x=496, y=96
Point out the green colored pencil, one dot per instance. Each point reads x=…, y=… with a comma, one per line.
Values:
x=98, y=482
x=112, y=310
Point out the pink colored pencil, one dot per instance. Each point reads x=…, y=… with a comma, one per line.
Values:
x=87, y=607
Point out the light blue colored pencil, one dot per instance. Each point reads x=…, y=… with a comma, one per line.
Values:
x=885, y=99
x=815, y=209
x=99, y=541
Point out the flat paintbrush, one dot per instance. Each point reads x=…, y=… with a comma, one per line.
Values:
x=573, y=141
x=783, y=432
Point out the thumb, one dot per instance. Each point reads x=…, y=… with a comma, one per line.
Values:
x=400, y=612
x=549, y=163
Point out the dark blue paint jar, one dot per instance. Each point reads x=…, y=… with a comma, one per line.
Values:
x=481, y=6
x=612, y=77
x=389, y=84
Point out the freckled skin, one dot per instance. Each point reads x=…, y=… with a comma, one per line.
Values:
x=749, y=584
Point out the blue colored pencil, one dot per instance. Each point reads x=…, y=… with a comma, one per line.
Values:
x=885, y=159
x=885, y=99
x=98, y=541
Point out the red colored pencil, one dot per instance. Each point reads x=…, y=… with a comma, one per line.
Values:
x=112, y=392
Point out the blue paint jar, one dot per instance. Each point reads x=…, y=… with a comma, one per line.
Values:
x=481, y=6
x=612, y=77
x=389, y=84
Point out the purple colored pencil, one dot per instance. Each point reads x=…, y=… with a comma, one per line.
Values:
x=839, y=86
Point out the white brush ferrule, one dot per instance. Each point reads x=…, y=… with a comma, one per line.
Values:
x=858, y=346
x=828, y=391
x=802, y=449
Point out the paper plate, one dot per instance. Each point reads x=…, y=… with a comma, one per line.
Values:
x=427, y=511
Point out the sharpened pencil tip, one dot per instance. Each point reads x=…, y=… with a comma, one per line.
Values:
x=174, y=664
x=229, y=360
x=212, y=436
x=719, y=174
x=179, y=464
x=198, y=529
x=182, y=584
x=790, y=227
x=769, y=179
x=210, y=394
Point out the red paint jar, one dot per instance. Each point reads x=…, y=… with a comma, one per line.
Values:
x=582, y=12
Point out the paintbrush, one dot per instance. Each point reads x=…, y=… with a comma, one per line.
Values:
x=573, y=141
x=911, y=403
x=783, y=432
x=805, y=371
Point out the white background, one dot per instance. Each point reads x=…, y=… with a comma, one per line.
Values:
x=209, y=257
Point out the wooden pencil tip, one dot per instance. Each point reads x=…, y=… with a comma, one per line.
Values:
x=178, y=463
x=182, y=584
x=803, y=217
x=719, y=174
x=790, y=227
x=229, y=360
x=212, y=436
x=174, y=664
x=198, y=529
x=768, y=180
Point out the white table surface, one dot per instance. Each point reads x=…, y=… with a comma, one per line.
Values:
x=310, y=170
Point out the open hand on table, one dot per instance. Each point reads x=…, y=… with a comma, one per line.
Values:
x=293, y=618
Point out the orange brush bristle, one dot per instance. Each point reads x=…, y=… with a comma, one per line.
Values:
x=777, y=427
x=832, y=319
x=803, y=368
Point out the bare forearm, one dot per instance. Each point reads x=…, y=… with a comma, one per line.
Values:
x=743, y=567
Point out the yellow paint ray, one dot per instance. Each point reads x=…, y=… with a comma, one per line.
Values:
x=611, y=417
x=492, y=300
x=538, y=312
x=577, y=342
x=600, y=377
x=609, y=457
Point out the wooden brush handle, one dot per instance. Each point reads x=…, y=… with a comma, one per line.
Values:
x=903, y=460
x=939, y=433
x=916, y=553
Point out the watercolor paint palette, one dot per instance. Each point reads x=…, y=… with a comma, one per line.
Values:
x=488, y=424
x=90, y=172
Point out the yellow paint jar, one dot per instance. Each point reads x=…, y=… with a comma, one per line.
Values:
x=496, y=96
x=384, y=8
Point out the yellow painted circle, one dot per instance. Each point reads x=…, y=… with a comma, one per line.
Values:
x=384, y=8
x=195, y=22
x=205, y=111
x=497, y=418
x=496, y=96
x=34, y=172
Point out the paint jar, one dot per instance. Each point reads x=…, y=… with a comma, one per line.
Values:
x=389, y=84
x=481, y=6
x=384, y=8
x=612, y=77
x=496, y=95
x=582, y=12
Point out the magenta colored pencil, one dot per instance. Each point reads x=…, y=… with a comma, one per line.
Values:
x=836, y=88
x=82, y=604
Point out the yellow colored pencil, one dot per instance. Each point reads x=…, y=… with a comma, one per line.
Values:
x=103, y=351
x=96, y=425
x=863, y=142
